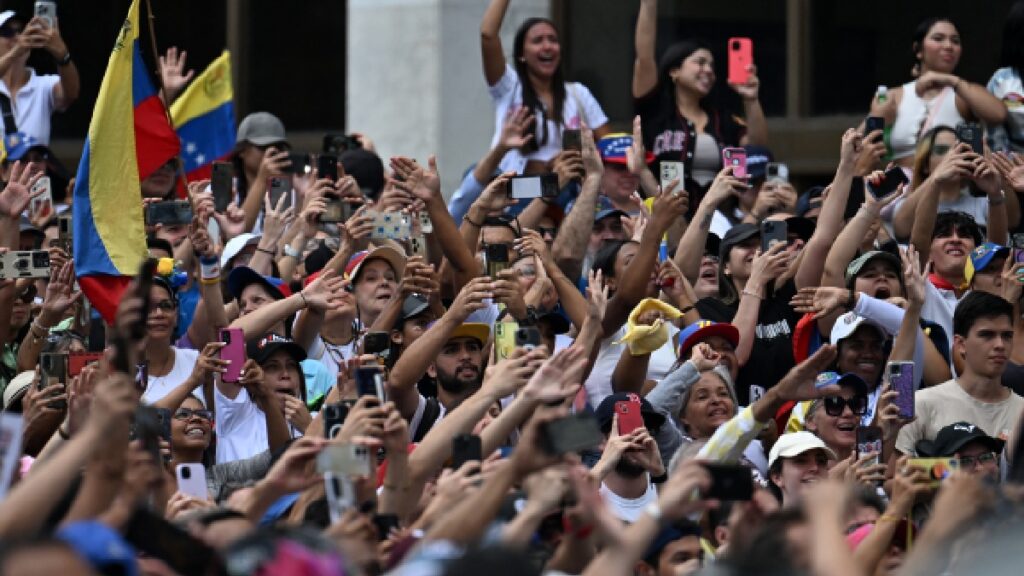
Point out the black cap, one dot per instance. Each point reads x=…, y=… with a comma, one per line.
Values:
x=606, y=411
x=366, y=167
x=413, y=305
x=559, y=324
x=261, y=350
x=952, y=438
x=802, y=227
x=318, y=258
x=737, y=235
x=713, y=244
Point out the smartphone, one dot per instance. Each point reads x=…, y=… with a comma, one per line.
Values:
x=192, y=480
x=145, y=283
x=338, y=143
x=278, y=186
x=572, y=139
x=773, y=231
x=571, y=434
x=391, y=225
x=163, y=416
x=671, y=170
x=970, y=133
x=777, y=171
x=741, y=56
x=869, y=441
x=53, y=369
x=233, y=351
x=65, y=232
x=299, y=163
x=504, y=339
x=345, y=460
x=184, y=554
x=327, y=166
x=336, y=210
x=737, y=158
x=729, y=482
x=41, y=205
x=495, y=258
x=370, y=382
x=79, y=360
x=938, y=469
x=901, y=376
x=385, y=523
x=341, y=495
x=376, y=342
x=630, y=417
x=466, y=448
x=527, y=337
x=334, y=418
x=892, y=180
x=169, y=213
x=873, y=123
x=25, y=264
x=142, y=377
x=221, y=178
x=149, y=430
x=46, y=10
x=535, y=186
x=1017, y=241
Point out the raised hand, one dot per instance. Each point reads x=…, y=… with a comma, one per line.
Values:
x=592, y=163
x=414, y=179
x=750, y=89
x=559, y=377
x=231, y=222
x=418, y=278
x=276, y=220
x=495, y=197
x=1010, y=167
x=517, y=130
x=508, y=291
x=724, y=186
x=820, y=301
x=15, y=197
x=296, y=413
x=956, y=165
x=636, y=153
x=172, y=72
x=513, y=373
x=597, y=296
x=326, y=292
x=292, y=472
x=60, y=293
x=208, y=363
x=913, y=277
x=471, y=297
x=768, y=266
x=704, y=357
x=800, y=383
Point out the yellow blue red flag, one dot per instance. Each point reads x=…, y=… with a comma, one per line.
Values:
x=204, y=117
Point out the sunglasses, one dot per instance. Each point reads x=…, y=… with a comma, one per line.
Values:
x=834, y=405
x=165, y=305
x=186, y=414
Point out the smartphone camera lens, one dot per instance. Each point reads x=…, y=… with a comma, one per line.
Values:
x=186, y=473
x=736, y=45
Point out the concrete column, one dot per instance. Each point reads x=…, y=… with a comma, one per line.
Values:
x=415, y=81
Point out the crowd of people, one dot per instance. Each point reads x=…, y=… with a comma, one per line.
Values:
x=627, y=375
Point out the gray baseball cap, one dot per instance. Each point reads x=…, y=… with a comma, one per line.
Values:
x=261, y=129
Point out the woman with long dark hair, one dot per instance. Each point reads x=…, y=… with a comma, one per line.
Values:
x=535, y=80
x=935, y=96
x=675, y=101
x=1006, y=84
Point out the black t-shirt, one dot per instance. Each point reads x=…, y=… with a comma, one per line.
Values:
x=1013, y=378
x=772, y=354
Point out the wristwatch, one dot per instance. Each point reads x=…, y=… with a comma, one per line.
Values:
x=65, y=60
x=289, y=251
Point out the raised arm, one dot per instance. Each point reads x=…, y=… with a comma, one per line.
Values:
x=210, y=315
x=570, y=245
x=691, y=246
x=645, y=67
x=38, y=35
x=986, y=178
x=490, y=41
x=845, y=247
x=274, y=163
x=954, y=166
x=979, y=102
x=765, y=268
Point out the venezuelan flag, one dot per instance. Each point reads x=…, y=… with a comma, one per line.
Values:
x=204, y=117
x=129, y=137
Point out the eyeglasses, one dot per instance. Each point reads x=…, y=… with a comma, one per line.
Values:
x=983, y=459
x=941, y=149
x=186, y=414
x=834, y=405
x=165, y=305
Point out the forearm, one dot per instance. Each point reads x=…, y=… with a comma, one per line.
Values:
x=649, y=185
x=517, y=533
x=398, y=496
x=101, y=483
x=620, y=558
x=875, y=545
x=632, y=287
x=645, y=68
x=667, y=396
x=532, y=214
x=630, y=373
x=260, y=498
x=257, y=323
x=924, y=221
x=278, y=431
x=287, y=264
x=210, y=316
x=307, y=326
x=70, y=84
x=745, y=319
x=905, y=214
x=502, y=427
x=998, y=223
x=573, y=302
x=983, y=104
x=757, y=126
x=844, y=249
x=690, y=249
x=570, y=245
x=905, y=343
x=253, y=202
x=436, y=446
x=263, y=260
x=412, y=364
x=447, y=234
x=465, y=523
x=830, y=554
x=172, y=401
x=31, y=346
x=572, y=555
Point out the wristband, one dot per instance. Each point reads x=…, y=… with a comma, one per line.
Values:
x=265, y=251
x=65, y=60
x=687, y=309
x=465, y=218
x=661, y=479
x=305, y=303
x=209, y=281
x=209, y=269
x=751, y=293
x=292, y=252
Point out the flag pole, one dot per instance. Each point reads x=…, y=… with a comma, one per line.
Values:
x=179, y=174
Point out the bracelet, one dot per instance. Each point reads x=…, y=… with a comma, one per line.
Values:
x=265, y=251
x=687, y=309
x=292, y=252
x=209, y=270
x=465, y=218
x=660, y=479
x=889, y=518
x=209, y=281
x=998, y=200
x=305, y=303
x=35, y=324
x=752, y=293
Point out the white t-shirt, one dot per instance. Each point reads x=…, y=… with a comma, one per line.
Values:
x=241, y=427
x=973, y=205
x=580, y=106
x=330, y=354
x=159, y=386
x=33, y=106
x=599, y=383
x=720, y=224
x=626, y=509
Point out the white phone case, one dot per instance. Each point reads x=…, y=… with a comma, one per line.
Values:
x=192, y=480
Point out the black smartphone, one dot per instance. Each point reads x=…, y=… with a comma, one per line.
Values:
x=370, y=382
x=327, y=166
x=278, y=186
x=376, y=342
x=385, y=523
x=221, y=177
x=157, y=537
x=149, y=430
x=496, y=258
x=338, y=143
x=772, y=232
x=169, y=213
x=527, y=337
x=466, y=448
x=730, y=482
x=145, y=284
x=65, y=233
x=572, y=139
x=571, y=434
x=855, y=199
x=873, y=123
x=53, y=369
x=300, y=163
x=893, y=178
x=334, y=418
x=970, y=133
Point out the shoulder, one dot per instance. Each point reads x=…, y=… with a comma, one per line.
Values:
x=186, y=355
x=506, y=84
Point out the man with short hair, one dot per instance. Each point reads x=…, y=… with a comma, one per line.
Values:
x=676, y=551
x=983, y=337
x=977, y=452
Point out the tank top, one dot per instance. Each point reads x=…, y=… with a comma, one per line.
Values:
x=916, y=116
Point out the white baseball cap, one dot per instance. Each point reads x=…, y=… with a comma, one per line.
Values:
x=796, y=443
x=848, y=323
x=5, y=16
x=235, y=245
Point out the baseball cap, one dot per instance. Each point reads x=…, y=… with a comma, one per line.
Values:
x=861, y=261
x=737, y=235
x=5, y=16
x=848, y=323
x=809, y=200
x=386, y=253
x=412, y=306
x=17, y=388
x=261, y=129
x=613, y=148
x=606, y=410
x=848, y=380
x=952, y=438
x=608, y=213
x=476, y=330
x=796, y=443
x=758, y=158
x=318, y=258
x=713, y=244
x=243, y=276
x=802, y=227
x=983, y=255
x=366, y=167
x=702, y=330
x=261, y=350
x=235, y=245
x=668, y=535
x=101, y=546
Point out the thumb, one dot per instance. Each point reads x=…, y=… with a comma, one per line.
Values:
x=432, y=162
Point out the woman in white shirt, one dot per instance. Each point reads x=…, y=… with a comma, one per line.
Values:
x=534, y=80
x=166, y=366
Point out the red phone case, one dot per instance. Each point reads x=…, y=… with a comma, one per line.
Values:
x=741, y=55
x=78, y=360
x=629, y=416
x=234, y=351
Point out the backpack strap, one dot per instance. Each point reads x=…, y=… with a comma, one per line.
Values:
x=10, y=126
x=431, y=412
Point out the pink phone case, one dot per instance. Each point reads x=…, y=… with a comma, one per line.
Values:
x=737, y=158
x=233, y=351
x=741, y=56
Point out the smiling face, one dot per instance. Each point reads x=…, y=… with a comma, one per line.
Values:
x=376, y=284
x=862, y=353
x=542, y=51
x=696, y=73
x=878, y=279
x=709, y=407
x=741, y=256
x=707, y=281
x=190, y=432
x=837, y=432
x=799, y=472
x=940, y=51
